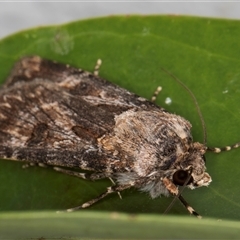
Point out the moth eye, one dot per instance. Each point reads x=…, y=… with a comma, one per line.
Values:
x=204, y=158
x=180, y=177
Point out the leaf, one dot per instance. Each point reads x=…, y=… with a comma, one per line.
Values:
x=203, y=53
x=96, y=225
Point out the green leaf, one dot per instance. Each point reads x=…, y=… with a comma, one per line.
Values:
x=203, y=53
x=95, y=225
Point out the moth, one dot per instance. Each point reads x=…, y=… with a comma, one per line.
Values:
x=57, y=115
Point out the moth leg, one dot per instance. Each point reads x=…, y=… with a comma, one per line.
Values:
x=97, y=67
x=119, y=194
x=109, y=190
x=87, y=176
x=171, y=187
x=27, y=165
x=156, y=93
x=188, y=207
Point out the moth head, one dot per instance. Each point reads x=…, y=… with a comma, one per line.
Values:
x=191, y=179
x=192, y=170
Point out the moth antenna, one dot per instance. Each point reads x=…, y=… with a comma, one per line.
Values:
x=195, y=102
x=214, y=149
x=226, y=148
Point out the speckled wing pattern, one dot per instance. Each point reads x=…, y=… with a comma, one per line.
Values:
x=54, y=114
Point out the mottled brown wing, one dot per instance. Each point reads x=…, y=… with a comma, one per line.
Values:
x=51, y=112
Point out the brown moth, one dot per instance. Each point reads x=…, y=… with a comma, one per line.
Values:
x=57, y=115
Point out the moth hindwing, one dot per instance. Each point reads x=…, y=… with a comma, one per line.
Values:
x=61, y=116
